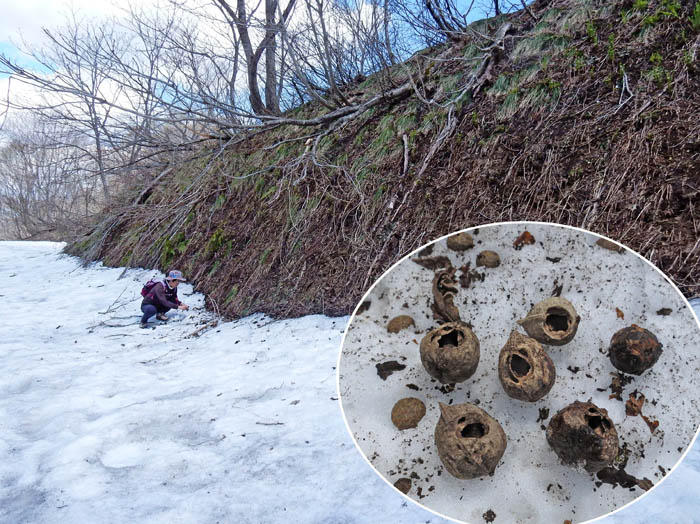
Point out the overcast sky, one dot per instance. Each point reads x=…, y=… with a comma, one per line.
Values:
x=25, y=18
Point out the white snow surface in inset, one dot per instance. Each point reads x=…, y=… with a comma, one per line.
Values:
x=530, y=484
x=118, y=424
x=105, y=424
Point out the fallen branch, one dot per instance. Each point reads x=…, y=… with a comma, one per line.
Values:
x=141, y=198
x=404, y=138
x=109, y=309
x=529, y=11
x=197, y=331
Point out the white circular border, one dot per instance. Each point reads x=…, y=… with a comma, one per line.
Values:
x=517, y=222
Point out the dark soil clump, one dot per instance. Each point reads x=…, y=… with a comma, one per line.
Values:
x=385, y=369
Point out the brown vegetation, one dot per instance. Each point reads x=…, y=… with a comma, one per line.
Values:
x=587, y=116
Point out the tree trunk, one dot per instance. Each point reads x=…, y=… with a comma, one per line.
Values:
x=271, y=100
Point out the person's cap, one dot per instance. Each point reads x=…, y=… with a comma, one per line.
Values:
x=176, y=275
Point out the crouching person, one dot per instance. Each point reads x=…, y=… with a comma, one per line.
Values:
x=162, y=297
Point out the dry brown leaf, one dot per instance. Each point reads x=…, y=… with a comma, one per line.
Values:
x=524, y=239
x=633, y=406
x=653, y=424
x=433, y=262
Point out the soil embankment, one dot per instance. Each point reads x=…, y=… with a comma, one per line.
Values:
x=587, y=117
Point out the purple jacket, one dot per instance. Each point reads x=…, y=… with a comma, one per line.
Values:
x=163, y=296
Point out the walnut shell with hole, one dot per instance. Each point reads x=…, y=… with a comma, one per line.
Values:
x=460, y=242
x=526, y=371
x=469, y=441
x=634, y=349
x=450, y=352
x=553, y=321
x=407, y=413
x=583, y=433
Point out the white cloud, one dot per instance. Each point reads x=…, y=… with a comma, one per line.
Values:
x=23, y=20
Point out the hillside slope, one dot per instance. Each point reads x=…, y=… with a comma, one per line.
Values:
x=586, y=116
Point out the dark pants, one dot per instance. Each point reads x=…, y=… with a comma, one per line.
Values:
x=149, y=310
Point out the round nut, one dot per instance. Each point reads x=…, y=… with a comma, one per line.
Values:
x=488, y=259
x=583, y=433
x=407, y=413
x=634, y=350
x=470, y=442
x=396, y=324
x=526, y=371
x=460, y=242
x=450, y=352
x=553, y=321
x=403, y=485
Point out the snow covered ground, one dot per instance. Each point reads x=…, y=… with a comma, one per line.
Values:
x=101, y=421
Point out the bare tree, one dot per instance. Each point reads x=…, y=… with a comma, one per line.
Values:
x=242, y=22
x=134, y=95
x=43, y=190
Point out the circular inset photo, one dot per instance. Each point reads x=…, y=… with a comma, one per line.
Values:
x=522, y=372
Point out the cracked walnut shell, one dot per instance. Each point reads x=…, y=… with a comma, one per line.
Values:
x=450, y=352
x=553, y=321
x=525, y=370
x=470, y=442
x=583, y=433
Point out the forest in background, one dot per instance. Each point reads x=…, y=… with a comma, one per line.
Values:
x=284, y=158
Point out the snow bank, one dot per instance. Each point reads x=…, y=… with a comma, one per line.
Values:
x=101, y=421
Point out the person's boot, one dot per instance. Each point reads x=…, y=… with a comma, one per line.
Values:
x=162, y=316
x=143, y=325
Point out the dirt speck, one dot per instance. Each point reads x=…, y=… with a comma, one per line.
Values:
x=364, y=307
x=664, y=311
x=468, y=276
x=384, y=369
x=556, y=292
x=617, y=385
x=618, y=476
x=489, y=516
